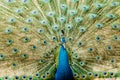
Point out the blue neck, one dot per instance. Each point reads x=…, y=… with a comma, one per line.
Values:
x=63, y=72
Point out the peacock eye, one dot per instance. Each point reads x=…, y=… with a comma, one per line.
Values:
x=14, y=64
x=104, y=73
x=42, y=61
x=89, y=74
x=44, y=22
x=72, y=12
x=25, y=29
x=40, y=31
x=112, y=61
x=115, y=26
x=84, y=8
x=113, y=4
x=6, y=77
x=34, y=12
x=109, y=47
x=16, y=77
x=99, y=25
x=37, y=74
x=46, y=55
x=78, y=19
x=92, y=16
x=79, y=43
x=2, y=56
x=30, y=78
x=96, y=75
x=52, y=51
x=111, y=16
x=25, y=1
x=99, y=6
x=72, y=52
x=55, y=27
x=26, y=39
x=8, y=31
x=69, y=26
x=76, y=56
x=15, y=50
x=83, y=76
x=9, y=41
x=34, y=47
x=62, y=19
x=111, y=73
x=51, y=14
x=81, y=63
x=70, y=39
x=115, y=37
x=18, y=10
x=63, y=6
x=98, y=38
x=43, y=76
x=24, y=55
x=90, y=49
x=10, y=1
x=24, y=77
x=53, y=38
x=12, y=20
x=47, y=73
x=82, y=29
x=98, y=58
x=44, y=42
x=75, y=74
x=29, y=20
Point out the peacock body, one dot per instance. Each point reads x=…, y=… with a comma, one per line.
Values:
x=59, y=39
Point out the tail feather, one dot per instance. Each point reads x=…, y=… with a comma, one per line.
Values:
x=30, y=33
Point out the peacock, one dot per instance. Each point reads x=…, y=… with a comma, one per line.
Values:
x=59, y=39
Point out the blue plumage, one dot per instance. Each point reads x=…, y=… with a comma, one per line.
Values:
x=64, y=71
